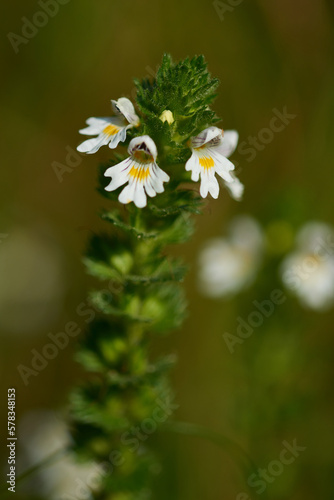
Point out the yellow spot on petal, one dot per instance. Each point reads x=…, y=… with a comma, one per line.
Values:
x=139, y=174
x=111, y=130
x=206, y=162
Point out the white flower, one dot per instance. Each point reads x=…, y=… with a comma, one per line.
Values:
x=227, y=265
x=309, y=270
x=140, y=170
x=109, y=130
x=210, y=150
x=43, y=434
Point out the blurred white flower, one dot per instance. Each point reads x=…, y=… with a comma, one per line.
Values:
x=41, y=434
x=309, y=270
x=227, y=265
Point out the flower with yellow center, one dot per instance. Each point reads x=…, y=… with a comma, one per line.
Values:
x=210, y=150
x=140, y=170
x=109, y=130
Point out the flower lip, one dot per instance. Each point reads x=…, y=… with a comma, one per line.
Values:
x=123, y=106
x=210, y=134
x=139, y=171
x=143, y=144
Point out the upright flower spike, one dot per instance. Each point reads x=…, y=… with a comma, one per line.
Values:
x=210, y=150
x=140, y=170
x=124, y=379
x=109, y=130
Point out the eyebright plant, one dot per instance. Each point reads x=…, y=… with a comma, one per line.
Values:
x=126, y=394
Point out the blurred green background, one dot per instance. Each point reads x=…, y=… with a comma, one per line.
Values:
x=268, y=55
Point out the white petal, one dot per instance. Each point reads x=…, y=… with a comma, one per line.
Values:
x=100, y=126
x=235, y=188
x=229, y=144
x=93, y=145
x=213, y=187
x=127, y=194
x=134, y=191
x=140, y=199
x=223, y=166
x=96, y=125
x=209, y=184
x=206, y=136
x=194, y=166
x=158, y=177
x=162, y=176
x=149, y=188
x=117, y=138
x=119, y=174
x=204, y=188
x=125, y=107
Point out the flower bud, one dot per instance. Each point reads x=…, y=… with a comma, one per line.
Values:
x=167, y=116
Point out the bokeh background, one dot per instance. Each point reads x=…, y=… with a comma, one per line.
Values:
x=268, y=55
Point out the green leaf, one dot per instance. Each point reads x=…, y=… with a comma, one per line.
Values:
x=114, y=218
x=166, y=307
x=128, y=307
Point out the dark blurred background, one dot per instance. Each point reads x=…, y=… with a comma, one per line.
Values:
x=268, y=56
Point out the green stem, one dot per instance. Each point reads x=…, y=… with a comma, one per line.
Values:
x=240, y=456
x=36, y=468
